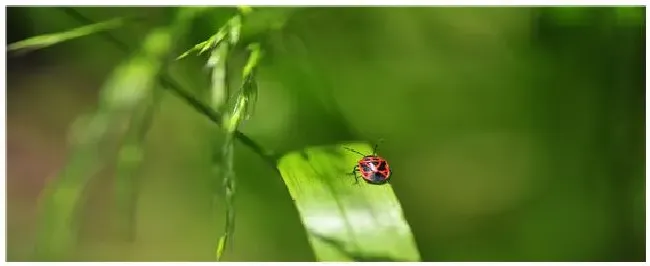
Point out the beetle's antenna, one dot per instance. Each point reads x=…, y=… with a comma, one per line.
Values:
x=374, y=150
x=354, y=151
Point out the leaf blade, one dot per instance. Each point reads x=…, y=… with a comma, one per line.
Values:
x=344, y=221
x=47, y=40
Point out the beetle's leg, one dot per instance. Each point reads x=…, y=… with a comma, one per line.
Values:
x=354, y=172
x=356, y=178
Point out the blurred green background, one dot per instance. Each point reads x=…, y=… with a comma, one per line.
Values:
x=514, y=134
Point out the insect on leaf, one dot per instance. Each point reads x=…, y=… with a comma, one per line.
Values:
x=346, y=221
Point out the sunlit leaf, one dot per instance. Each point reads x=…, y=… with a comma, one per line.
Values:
x=346, y=221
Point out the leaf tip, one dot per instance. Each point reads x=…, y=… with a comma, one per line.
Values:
x=245, y=9
x=221, y=247
x=182, y=56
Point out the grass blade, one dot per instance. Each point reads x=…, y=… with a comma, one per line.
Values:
x=219, y=82
x=346, y=221
x=46, y=40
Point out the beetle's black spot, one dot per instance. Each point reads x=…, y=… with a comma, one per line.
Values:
x=382, y=166
x=377, y=178
x=365, y=168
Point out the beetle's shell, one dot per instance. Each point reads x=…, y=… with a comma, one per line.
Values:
x=374, y=169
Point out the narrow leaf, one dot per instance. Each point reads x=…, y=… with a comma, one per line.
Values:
x=206, y=45
x=46, y=40
x=234, y=26
x=253, y=59
x=346, y=221
x=219, y=88
x=221, y=246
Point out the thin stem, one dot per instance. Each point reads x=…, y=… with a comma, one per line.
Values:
x=168, y=83
x=228, y=156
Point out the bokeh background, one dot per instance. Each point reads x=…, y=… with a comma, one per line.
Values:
x=514, y=134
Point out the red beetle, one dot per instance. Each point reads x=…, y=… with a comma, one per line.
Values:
x=373, y=168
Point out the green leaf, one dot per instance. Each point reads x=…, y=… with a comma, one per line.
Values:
x=234, y=28
x=219, y=86
x=253, y=59
x=46, y=40
x=346, y=221
x=206, y=45
x=221, y=246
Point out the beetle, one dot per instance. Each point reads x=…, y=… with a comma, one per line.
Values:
x=373, y=168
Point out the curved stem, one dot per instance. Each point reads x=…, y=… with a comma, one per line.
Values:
x=170, y=84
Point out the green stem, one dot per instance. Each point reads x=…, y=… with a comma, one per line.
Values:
x=228, y=157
